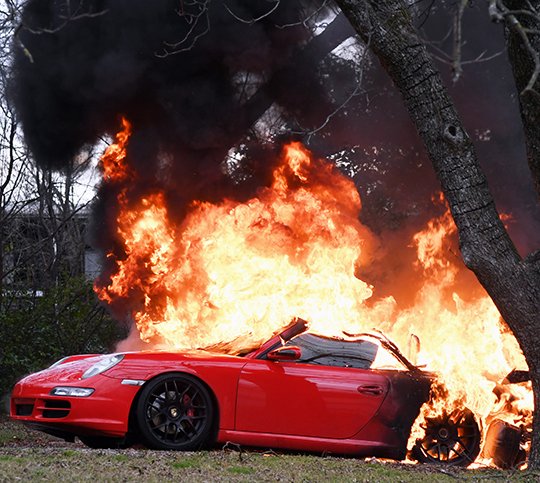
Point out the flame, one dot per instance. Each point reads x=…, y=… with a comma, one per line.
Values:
x=113, y=161
x=507, y=219
x=231, y=270
x=235, y=268
x=469, y=345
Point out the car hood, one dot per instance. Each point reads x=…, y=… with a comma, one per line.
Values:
x=66, y=372
x=72, y=369
x=146, y=364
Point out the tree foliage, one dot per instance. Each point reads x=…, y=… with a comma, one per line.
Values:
x=47, y=307
x=39, y=329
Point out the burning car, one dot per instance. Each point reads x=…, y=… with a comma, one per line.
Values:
x=300, y=391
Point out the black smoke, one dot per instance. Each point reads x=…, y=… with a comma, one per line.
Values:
x=172, y=67
x=175, y=69
x=167, y=65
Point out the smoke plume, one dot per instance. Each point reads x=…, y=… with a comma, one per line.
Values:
x=169, y=66
x=187, y=74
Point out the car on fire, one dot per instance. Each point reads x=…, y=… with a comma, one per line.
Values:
x=298, y=391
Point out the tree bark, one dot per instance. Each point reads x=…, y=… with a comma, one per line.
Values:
x=524, y=56
x=486, y=248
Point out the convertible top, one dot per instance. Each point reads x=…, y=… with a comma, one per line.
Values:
x=326, y=351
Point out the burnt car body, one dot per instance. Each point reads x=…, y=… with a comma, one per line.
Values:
x=297, y=391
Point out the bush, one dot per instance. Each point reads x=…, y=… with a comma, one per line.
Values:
x=37, y=331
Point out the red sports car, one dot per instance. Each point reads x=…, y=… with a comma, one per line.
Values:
x=297, y=391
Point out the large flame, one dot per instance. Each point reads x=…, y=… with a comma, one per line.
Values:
x=232, y=269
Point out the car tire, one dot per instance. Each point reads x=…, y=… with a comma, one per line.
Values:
x=502, y=444
x=175, y=412
x=450, y=439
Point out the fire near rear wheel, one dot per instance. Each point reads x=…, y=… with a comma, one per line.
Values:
x=450, y=439
x=175, y=412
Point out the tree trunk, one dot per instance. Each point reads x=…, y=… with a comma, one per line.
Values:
x=512, y=283
x=524, y=55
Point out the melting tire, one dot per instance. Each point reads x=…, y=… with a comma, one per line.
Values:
x=503, y=444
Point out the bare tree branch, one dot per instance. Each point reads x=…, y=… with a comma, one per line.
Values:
x=190, y=38
x=499, y=12
x=251, y=21
x=458, y=40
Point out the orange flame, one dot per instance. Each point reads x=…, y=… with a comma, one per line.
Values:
x=234, y=269
x=507, y=219
x=113, y=161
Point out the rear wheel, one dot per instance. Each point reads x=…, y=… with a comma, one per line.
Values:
x=451, y=439
x=175, y=412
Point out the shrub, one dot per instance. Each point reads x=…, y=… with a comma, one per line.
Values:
x=36, y=331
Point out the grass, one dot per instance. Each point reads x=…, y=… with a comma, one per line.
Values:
x=8, y=435
x=104, y=465
x=241, y=470
x=30, y=456
x=187, y=462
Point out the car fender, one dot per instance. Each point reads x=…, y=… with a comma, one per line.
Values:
x=219, y=374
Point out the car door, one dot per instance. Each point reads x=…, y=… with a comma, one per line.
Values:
x=307, y=400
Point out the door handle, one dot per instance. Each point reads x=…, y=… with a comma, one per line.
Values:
x=371, y=389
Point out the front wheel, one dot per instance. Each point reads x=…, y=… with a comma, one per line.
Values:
x=451, y=439
x=175, y=412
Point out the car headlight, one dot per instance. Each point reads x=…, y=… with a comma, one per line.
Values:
x=102, y=365
x=72, y=391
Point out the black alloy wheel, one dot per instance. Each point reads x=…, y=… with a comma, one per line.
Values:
x=175, y=412
x=450, y=439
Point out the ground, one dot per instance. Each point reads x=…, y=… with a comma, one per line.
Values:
x=33, y=456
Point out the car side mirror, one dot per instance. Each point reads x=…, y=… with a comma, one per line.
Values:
x=285, y=353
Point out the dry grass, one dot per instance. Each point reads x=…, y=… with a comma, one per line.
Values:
x=32, y=456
